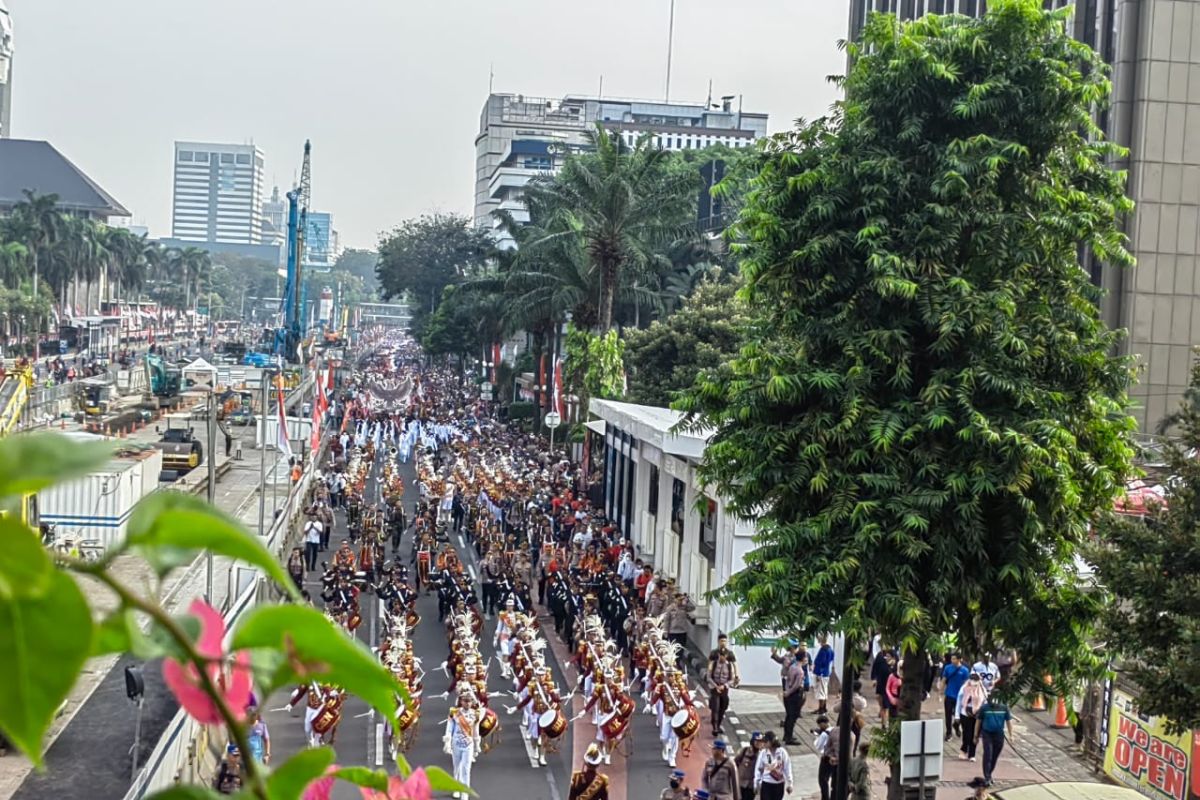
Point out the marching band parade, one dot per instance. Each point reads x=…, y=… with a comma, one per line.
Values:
x=537, y=570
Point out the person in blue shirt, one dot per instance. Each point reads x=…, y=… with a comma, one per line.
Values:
x=822, y=665
x=994, y=720
x=954, y=675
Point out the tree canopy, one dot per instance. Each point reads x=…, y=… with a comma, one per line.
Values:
x=422, y=256
x=706, y=332
x=1151, y=566
x=930, y=416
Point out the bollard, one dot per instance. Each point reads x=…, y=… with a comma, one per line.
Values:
x=1060, y=714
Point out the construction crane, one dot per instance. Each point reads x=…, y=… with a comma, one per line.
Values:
x=291, y=332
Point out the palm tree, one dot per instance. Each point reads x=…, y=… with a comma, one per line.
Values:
x=618, y=208
x=38, y=225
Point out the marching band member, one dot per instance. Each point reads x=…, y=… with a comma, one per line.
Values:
x=461, y=740
x=588, y=783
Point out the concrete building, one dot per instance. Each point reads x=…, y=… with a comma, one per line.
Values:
x=6, y=71
x=320, y=241
x=218, y=193
x=520, y=137
x=29, y=165
x=1154, y=49
x=652, y=493
x=274, y=219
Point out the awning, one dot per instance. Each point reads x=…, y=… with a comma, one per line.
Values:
x=596, y=425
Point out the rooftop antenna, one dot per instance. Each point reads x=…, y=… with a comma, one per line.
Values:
x=670, y=48
x=601, y=94
x=708, y=103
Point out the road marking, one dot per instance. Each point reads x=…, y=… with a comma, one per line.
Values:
x=471, y=569
x=554, y=795
x=379, y=744
x=742, y=733
x=733, y=719
x=533, y=762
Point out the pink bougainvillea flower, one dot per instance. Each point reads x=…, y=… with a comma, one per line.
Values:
x=232, y=680
x=415, y=788
x=321, y=787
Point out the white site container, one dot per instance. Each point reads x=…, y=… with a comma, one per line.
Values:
x=98, y=506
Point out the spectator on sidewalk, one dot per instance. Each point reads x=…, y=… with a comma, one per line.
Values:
x=860, y=774
x=773, y=770
x=880, y=669
x=822, y=668
x=988, y=670
x=892, y=690
x=784, y=659
x=793, y=697
x=295, y=567
x=312, y=540
x=970, y=700
x=745, y=763
x=229, y=775
x=826, y=745
x=994, y=721
x=954, y=675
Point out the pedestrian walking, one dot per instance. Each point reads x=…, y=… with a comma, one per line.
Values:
x=229, y=774
x=971, y=698
x=312, y=540
x=859, y=774
x=720, y=776
x=793, y=696
x=773, y=770
x=994, y=721
x=954, y=675
x=826, y=745
x=295, y=567
x=721, y=676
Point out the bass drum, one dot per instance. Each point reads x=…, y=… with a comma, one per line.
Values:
x=552, y=723
x=327, y=718
x=625, y=705
x=685, y=723
x=406, y=719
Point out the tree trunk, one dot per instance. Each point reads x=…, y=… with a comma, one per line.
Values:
x=912, y=691
x=608, y=291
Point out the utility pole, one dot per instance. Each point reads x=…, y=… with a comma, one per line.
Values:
x=212, y=485
x=262, y=457
x=670, y=48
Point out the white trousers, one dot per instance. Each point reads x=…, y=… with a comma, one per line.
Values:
x=461, y=754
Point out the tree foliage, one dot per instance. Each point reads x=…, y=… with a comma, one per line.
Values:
x=1152, y=568
x=930, y=416
x=422, y=256
x=706, y=332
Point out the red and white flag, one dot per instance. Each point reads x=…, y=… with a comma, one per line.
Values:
x=559, y=406
x=281, y=431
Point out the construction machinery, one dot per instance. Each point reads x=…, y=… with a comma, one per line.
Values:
x=16, y=387
x=290, y=334
x=165, y=381
x=92, y=396
x=182, y=451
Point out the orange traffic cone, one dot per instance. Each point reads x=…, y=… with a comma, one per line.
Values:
x=1060, y=714
x=1039, y=700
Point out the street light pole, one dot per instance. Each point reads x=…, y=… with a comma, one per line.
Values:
x=212, y=485
x=262, y=456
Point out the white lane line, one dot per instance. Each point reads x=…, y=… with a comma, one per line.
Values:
x=554, y=795
x=461, y=542
x=379, y=744
x=733, y=719
x=533, y=762
x=471, y=569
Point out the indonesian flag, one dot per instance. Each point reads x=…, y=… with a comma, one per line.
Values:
x=541, y=382
x=495, y=361
x=315, y=439
x=329, y=385
x=281, y=432
x=347, y=413
x=559, y=406
x=322, y=404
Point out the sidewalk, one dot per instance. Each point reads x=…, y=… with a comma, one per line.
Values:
x=1038, y=753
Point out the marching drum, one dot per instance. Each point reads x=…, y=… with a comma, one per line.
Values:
x=552, y=723
x=614, y=725
x=406, y=719
x=625, y=705
x=329, y=715
x=685, y=723
x=488, y=723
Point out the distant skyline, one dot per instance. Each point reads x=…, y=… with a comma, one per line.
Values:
x=389, y=92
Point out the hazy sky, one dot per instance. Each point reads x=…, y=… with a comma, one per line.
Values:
x=389, y=91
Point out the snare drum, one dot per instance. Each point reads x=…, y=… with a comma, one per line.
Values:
x=552, y=723
x=488, y=723
x=625, y=705
x=406, y=719
x=614, y=726
x=685, y=723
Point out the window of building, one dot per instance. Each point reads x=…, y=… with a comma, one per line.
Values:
x=202, y=158
x=652, y=502
x=677, y=494
x=708, y=531
x=226, y=158
x=537, y=162
x=243, y=158
x=258, y=162
x=186, y=155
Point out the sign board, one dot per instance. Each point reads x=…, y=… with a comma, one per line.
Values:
x=921, y=749
x=1143, y=756
x=553, y=420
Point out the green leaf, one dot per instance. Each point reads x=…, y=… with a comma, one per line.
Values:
x=112, y=635
x=361, y=776
x=120, y=632
x=169, y=525
x=289, y=779
x=442, y=781
x=326, y=652
x=33, y=462
x=25, y=566
x=43, y=643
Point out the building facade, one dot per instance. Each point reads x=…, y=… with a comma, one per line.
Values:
x=652, y=493
x=320, y=241
x=1153, y=47
x=6, y=72
x=521, y=137
x=218, y=193
x=274, y=216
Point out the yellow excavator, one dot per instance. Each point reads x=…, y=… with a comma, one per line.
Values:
x=16, y=389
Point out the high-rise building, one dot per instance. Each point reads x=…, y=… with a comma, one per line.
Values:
x=274, y=218
x=520, y=137
x=6, y=59
x=320, y=240
x=1153, y=47
x=218, y=193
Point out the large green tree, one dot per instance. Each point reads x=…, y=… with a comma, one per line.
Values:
x=931, y=416
x=360, y=263
x=706, y=332
x=423, y=256
x=1151, y=566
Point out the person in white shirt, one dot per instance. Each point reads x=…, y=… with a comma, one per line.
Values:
x=773, y=770
x=988, y=671
x=312, y=540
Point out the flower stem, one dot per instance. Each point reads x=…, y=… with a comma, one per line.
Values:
x=159, y=614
